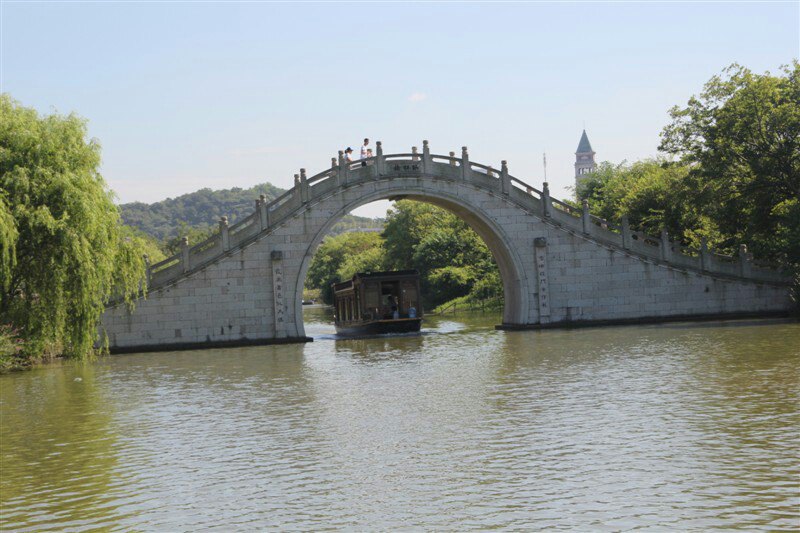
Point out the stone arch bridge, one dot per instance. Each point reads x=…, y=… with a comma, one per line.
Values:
x=559, y=265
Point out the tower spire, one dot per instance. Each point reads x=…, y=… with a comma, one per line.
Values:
x=584, y=159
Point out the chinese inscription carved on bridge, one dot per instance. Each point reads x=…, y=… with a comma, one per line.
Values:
x=278, y=289
x=540, y=253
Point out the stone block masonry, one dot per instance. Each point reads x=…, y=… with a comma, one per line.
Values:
x=244, y=285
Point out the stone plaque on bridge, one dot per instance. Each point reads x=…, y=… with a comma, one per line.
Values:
x=279, y=293
x=411, y=168
x=540, y=256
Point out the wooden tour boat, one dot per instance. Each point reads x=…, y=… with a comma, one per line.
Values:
x=378, y=302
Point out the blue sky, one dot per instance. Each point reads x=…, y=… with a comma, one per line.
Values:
x=185, y=95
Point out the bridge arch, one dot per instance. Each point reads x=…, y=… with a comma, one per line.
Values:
x=559, y=264
x=509, y=262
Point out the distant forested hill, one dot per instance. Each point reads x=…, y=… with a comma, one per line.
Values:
x=201, y=210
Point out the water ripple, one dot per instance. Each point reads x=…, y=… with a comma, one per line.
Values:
x=463, y=427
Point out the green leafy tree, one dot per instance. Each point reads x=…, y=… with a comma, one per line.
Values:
x=446, y=283
x=63, y=248
x=449, y=255
x=341, y=256
x=652, y=193
x=368, y=260
x=171, y=219
x=407, y=223
x=144, y=243
x=741, y=136
x=200, y=209
x=196, y=235
x=8, y=241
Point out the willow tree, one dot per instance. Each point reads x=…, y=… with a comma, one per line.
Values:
x=8, y=240
x=62, y=254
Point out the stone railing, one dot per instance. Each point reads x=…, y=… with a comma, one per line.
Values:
x=268, y=215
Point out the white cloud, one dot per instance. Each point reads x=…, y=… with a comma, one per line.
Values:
x=417, y=97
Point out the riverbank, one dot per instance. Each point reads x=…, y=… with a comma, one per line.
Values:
x=13, y=356
x=16, y=363
x=11, y=346
x=469, y=303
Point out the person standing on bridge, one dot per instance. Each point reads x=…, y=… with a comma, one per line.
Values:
x=364, y=151
x=347, y=157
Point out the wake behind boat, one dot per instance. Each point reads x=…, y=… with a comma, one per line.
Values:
x=378, y=302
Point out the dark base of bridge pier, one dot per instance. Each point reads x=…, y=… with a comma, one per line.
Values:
x=206, y=345
x=647, y=320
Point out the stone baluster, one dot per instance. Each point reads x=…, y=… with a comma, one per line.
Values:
x=505, y=181
x=303, y=185
x=452, y=159
x=705, y=257
x=263, y=213
x=465, y=166
x=148, y=274
x=344, y=169
x=426, y=157
x=546, y=207
x=297, y=189
x=586, y=217
x=224, y=234
x=666, y=250
x=340, y=169
x=261, y=225
x=379, y=160
x=626, y=233
x=414, y=154
x=185, y=254
x=489, y=171
x=745, y=264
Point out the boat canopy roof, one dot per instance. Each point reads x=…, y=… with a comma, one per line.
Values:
x=387, y=275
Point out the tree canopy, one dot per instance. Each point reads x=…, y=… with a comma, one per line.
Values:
x=651, y=193
x=741, y=139
x=735, y=173
x=196, y=214
x=452, y=259
x=337, y=256
x=63, y=251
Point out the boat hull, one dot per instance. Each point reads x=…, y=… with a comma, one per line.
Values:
x=380, y=327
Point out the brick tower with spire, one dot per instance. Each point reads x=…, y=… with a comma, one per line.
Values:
x=584, y=159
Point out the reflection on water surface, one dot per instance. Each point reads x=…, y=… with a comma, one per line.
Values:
x=669, y=426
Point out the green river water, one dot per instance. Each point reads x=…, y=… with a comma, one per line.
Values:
x=663, y=427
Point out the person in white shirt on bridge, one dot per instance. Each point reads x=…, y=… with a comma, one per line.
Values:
x=364, y=154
